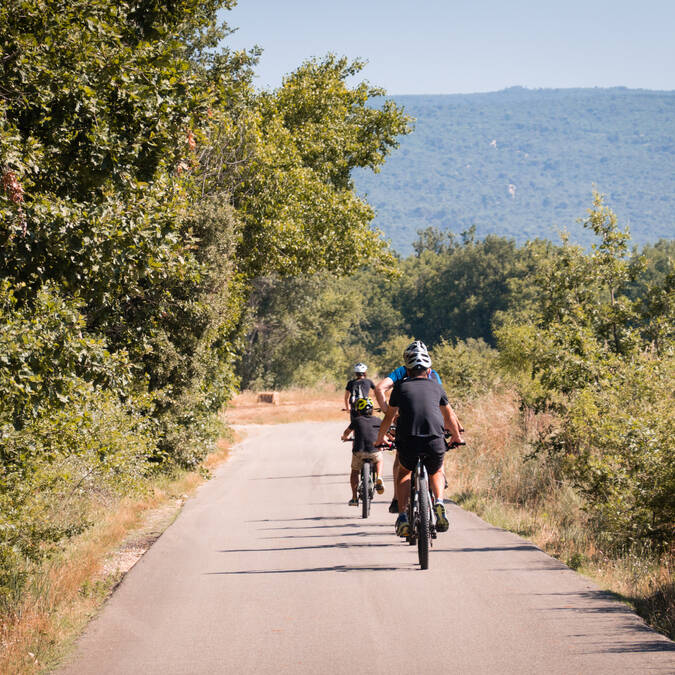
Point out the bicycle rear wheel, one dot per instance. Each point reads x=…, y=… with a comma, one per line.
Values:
x=424, y=533
x=365, y=483
x=412, y=514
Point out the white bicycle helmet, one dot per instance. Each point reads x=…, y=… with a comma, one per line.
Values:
x=417, y=356
x=360, y=368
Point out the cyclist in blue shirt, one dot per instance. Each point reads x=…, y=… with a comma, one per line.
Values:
x=402, y=372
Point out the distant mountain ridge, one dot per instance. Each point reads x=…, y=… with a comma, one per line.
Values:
x=523, y=162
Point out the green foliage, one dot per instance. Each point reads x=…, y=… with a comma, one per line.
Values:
x=468, y=368
x=63, y=427
x=144, y=184
x=604, y=363
x=390, y=353
x=621, y=451
x=295, y=195
x=301, y=331
x=454, y=289
x=552, y=146
x=100, y=107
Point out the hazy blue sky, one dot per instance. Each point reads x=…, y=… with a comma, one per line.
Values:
x=460, y=46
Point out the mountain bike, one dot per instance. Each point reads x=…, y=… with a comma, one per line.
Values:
x=366, y=488
x=422, y=524
x=421, y=516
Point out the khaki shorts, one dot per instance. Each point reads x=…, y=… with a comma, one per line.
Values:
x=358, y=457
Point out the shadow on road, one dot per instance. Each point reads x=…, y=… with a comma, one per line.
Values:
x=368, y=533
x=289, y=520
x=334, y=568
x=521, y=547
x=606, y=602
x=302, y=548
x=360, y=523
x=311, y=475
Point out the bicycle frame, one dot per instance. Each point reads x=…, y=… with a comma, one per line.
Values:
x=366, y=489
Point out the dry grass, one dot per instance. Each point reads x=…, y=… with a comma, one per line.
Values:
x=295, y=405
x=492, y=477
x=65, y=593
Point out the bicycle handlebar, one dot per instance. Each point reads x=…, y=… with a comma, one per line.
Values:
x=455, y=444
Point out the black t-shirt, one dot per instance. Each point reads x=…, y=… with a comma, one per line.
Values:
x=418, y=400
x=359, y=387
x=365, y=432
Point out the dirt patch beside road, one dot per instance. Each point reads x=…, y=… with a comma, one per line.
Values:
x=295, y=405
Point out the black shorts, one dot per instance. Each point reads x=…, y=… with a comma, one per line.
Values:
x=410, y=448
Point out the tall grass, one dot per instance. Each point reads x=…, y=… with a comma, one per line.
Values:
x=497, y=476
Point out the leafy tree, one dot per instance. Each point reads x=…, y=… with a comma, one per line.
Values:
x=454, y=290
x=468, y=368
x=301, y=332
x=296, y=196
x=99, y=111
x=144, y=187
x=63, y=426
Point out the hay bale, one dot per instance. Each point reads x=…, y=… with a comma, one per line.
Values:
x=269, y=397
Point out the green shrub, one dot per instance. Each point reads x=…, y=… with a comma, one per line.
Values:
x=604, y=363
x=468, y=368
x=65, y=431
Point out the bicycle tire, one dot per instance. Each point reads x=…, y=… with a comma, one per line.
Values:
x=411, y=538
x=365, y=496
x=424, y=531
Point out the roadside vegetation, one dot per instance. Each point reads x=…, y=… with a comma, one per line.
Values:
x=169, y=235
x=59, y=597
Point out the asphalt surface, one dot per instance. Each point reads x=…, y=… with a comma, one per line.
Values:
x=267, y=570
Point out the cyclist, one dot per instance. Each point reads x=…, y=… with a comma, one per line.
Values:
x=424, y=413
x=358, y=387
x=387, y=383
x=365, y=428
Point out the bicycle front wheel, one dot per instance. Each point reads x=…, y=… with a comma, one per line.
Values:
x=365, y=482
x=424, y=532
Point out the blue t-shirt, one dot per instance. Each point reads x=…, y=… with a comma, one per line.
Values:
x=400, y=373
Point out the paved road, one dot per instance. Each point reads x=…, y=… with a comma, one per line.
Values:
x=267, y=570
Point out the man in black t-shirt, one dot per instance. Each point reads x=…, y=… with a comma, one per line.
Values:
x=365, y=428
x=424, y=414
x=358, y=387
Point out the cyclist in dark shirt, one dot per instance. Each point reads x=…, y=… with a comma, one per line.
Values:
x=365, y=428
x=424, y=414
x=358, y=387
x=383, y=386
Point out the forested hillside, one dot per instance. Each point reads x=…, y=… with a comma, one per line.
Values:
x=522, y=163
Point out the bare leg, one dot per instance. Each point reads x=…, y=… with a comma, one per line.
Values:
x=437, y=484
x=354, y=481
x=402, y=487
x=396, y=467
